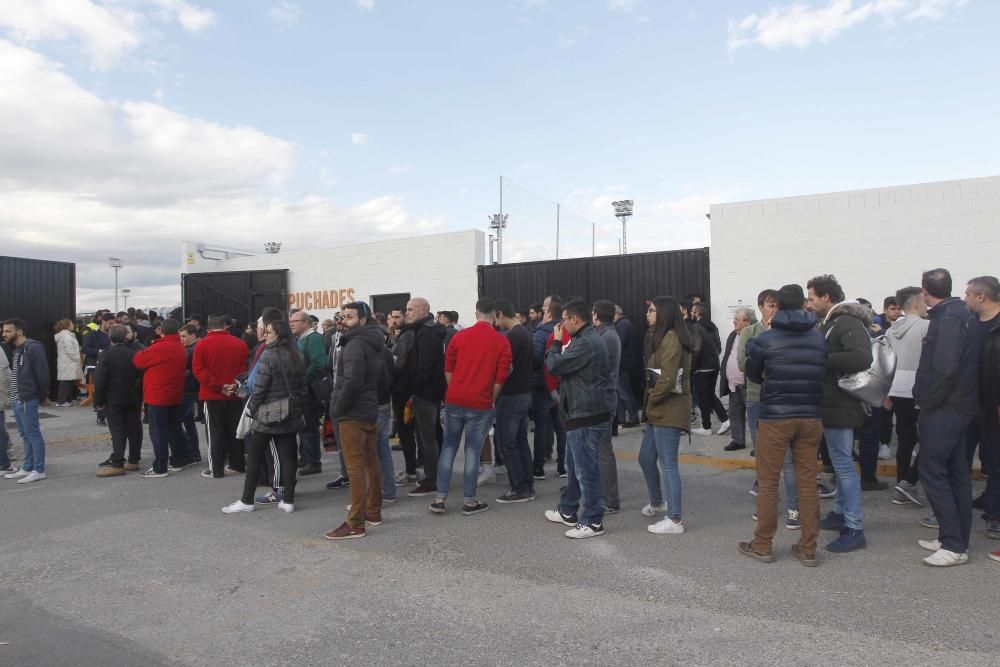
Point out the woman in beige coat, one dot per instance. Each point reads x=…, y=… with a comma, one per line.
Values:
x=668, y=405
x=68, y=368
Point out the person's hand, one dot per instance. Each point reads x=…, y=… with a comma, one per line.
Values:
x=560, y=333
x=887, y=404
x=555, y=395
x=229, y=389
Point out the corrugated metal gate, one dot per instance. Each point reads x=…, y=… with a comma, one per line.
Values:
x=41, y=293
x=242, y=294
x=628, y=280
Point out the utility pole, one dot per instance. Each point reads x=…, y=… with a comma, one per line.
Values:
x=623, y=211
x=498, y=222
x=116, y=264
x=593, y=239
x=125, y=292
x=557, y=231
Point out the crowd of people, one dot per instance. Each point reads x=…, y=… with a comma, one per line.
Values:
x=273, y=396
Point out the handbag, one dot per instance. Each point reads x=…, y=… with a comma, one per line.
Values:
x=871, y=386
x=276, y=410
x=320, y=390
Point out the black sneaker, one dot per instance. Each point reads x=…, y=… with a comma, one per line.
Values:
x=469, y=510
x=556, y=516
x=437, y=507
x=733, y=446
x=339, y=483
x=310, y=469
x=106, y=463
x=873, y=484
x=611, y=510
x=539, y=473
x=511, y=497
x=561, y=472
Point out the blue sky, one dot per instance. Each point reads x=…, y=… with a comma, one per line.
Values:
x=127, y=126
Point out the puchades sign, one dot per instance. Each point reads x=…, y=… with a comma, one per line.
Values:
x=321, y=299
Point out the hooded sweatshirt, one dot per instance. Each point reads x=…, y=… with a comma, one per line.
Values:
x=906, y=337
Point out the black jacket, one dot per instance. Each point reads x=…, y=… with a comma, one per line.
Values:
x=426, y=360
x=850, y=351
x=989, y=374
x=401, y=351
x=789, y=361
x=625, y=333
x=93, y=344
x=30, y=363
x=385, y=380
x=711, y=347
x=723, y=380
x=359, y=372
x=948, y=375
x=279, y=376
x=116, y=380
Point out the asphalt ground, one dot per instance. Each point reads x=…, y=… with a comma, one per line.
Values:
x=128, y=571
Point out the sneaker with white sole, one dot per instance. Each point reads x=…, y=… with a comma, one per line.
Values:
x=270, y=498
x=825, y=492
x=701, y=431
x=237, y=507
x=792, y=521
x=666, y=527
x=286, y=507
x=884, y=454
x=151, y=474
x=930, y=522
x=995, y=555
x=403, y=479
x=582, y=531
x=17, y=474
x=486, y=474
x=930, y=545
x=555, y=516
x=652, y=510
x=945, y=558
x=753, y=489
x=32, y=477
x=723, y=428
x=908, y=493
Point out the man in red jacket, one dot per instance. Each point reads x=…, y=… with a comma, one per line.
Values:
x=218, y=359
x=476, y=366
x=164, y=364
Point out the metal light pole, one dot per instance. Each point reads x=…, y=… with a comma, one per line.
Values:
x=115, y=263
x=498, y=222
x=125, y=292
x=623, y=211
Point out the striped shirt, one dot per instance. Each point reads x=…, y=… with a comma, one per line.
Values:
x=14, y=373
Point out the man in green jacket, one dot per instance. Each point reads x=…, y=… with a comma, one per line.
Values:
x=314, y=353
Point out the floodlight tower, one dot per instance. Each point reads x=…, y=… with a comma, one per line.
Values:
x=499, y=223
x=623, y=211
x=116, y=264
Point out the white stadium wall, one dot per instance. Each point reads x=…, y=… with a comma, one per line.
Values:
x=874, y=241
x=439, y=267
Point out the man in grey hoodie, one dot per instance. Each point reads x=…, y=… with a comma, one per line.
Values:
x=29, y=389
x=906, y=337
x=4, y=405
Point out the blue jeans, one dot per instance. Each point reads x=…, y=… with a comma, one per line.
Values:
x=628, y=407
x=189, y=410
x=475, y=424
x=511, y=439
x=26, y=416
x=583, y=476
x=4, y=443
x=840, y=444
x=944, y=474
x=753, y=416
x=167, y=434
x=544, y=410
x=309, y=440
x=384, y=453
x=660, y=445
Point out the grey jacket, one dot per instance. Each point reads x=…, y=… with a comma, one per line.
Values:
x=279, y=376
x=613, y=342
x=906, y=337
x=360, y=369
x=582, y=365
x=33, y=378
x=4, y=383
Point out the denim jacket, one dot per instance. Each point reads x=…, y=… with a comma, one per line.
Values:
x=582, y=364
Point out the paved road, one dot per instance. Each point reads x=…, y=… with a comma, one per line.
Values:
x=129, y=571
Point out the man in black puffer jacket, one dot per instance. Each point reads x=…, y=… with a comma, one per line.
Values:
x=789, y=361
x=706, y=372
x=425, y=368
x=355, y=401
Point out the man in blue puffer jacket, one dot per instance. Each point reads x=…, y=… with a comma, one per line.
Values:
x=789, y=361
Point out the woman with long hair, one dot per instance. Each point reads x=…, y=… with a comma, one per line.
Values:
x=68, y=364
x=668, y=404
x=278, y=376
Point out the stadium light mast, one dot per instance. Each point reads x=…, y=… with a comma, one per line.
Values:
x=499, y=222
x=623, y=211
x=116, y=264
x=125, y=292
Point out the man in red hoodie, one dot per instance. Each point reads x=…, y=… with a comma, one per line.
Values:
x=164, y=364
x=476, y=365
x=218, y=358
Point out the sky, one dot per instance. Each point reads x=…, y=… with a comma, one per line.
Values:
x=129, y=126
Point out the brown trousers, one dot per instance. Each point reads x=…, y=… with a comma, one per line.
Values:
x=357, y=441
x=774, y=437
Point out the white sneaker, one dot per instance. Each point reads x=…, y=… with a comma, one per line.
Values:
x=883, y=452
x=666, y=527
x=32, y=477
x=582, y=531
x=487, y=474
x=945, y=558
x=723, y=428
x=701, y=431
x=500, y=470
x=238, y=506
x=652, y=510
x=20, y=472
x=930, y=545
x=284, y=507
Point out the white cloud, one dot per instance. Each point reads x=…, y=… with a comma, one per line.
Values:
x=564, y=40
x=82, y=178
x=398, y=169
x=800, y=25
x=285, y=14
x=367, y=5
x=106, y=31
x=359, y=138
x=622, y=5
